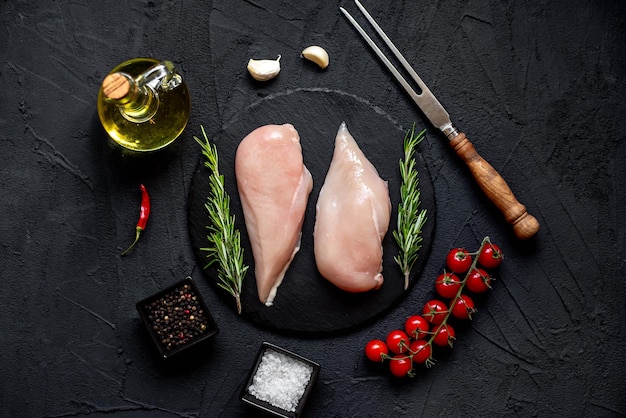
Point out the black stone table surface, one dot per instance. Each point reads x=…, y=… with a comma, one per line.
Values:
x=539, y=88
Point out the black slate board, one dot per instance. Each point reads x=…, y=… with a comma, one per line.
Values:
x=306, y=304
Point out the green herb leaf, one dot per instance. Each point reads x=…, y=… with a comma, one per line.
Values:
x=225, y=250
x=411, y=218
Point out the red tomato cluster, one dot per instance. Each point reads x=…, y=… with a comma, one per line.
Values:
x=414, y=344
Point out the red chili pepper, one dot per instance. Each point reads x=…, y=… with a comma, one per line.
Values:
x=144, y=214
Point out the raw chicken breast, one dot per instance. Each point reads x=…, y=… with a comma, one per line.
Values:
x=274, y=186
x=353, y=214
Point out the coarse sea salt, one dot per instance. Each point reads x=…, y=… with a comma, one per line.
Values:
x=280, y=380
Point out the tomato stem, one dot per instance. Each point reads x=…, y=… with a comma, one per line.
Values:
x=484, y=242
x=430, y=335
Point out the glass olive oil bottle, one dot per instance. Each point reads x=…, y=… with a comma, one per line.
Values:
x=144, y=104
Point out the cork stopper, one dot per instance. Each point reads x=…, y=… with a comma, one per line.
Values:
x=116, y=86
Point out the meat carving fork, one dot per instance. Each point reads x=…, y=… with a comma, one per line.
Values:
x=490, y=181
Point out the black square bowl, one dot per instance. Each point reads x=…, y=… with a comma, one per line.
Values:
x=291, y=366
x=177, y=318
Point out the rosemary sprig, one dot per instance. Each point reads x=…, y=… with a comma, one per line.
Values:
x=411, y=218
x=225, y=249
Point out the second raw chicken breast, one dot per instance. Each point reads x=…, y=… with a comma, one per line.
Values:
x=352, y=217
x=274, y=186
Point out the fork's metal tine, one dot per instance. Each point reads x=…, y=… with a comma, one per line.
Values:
x=391, y=46
x=382, y=56
x=426, y=100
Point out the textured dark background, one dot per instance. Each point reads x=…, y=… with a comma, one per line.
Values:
x=539, y=88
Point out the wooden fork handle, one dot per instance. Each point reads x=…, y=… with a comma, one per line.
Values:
x=491, y=182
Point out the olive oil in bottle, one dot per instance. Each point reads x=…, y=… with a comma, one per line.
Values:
x=144, y=104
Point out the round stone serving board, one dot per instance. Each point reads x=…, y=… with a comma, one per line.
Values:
x=306, y=304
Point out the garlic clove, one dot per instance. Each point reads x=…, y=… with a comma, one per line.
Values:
x=263, y=70
x=317, y=54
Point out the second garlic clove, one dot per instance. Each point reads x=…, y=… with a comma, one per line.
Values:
x=317, y=54
x=263, y=70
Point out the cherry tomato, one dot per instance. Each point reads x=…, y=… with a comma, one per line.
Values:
x=478, y=280
x=422, y=351
x=398, y=341
x=400, y=365
x=459, y=260
x=435, y=311
x=444, y=335
x=376, y=350
x=490, y=256
x=447, y=285
x=416, y=327
x=463, y=307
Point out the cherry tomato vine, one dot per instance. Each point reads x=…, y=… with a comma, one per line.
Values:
x=422, y=334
